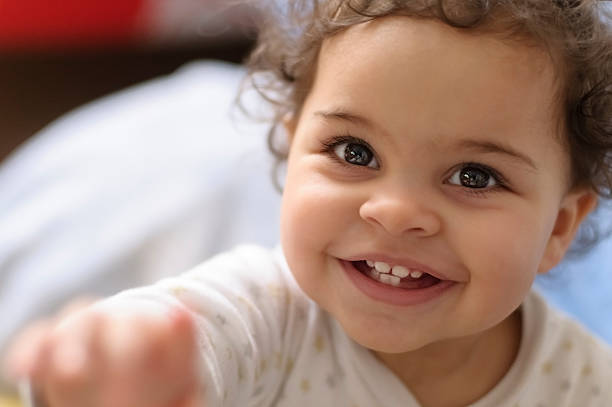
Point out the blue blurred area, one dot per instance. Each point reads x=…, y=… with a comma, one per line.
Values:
x=582, y=286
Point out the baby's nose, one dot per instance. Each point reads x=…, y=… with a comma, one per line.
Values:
x=400, y=213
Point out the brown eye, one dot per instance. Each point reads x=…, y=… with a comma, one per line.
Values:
x=356, y=154
x=473, y=177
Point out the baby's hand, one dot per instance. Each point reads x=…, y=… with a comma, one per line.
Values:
x=92, y=359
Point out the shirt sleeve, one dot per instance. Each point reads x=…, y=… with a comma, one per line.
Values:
x=245, y=313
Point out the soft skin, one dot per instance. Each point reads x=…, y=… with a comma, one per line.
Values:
x=418, y=93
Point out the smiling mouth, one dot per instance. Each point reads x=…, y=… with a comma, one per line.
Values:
x=414, y=280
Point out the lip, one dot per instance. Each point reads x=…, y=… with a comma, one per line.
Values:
x=394, y=295
x=406, y=262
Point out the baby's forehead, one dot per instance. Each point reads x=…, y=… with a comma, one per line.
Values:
x=421, y=35
x=400, y=42
x=422, y=75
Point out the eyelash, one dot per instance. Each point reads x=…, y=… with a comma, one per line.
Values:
x=500, y=180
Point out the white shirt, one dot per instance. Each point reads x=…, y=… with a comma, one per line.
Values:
x=263, y=342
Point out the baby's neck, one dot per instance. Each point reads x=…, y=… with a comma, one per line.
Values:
x=459, y=372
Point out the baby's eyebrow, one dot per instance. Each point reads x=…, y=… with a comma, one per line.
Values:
x=494, y=147
x=340, y=114
x=347, y=116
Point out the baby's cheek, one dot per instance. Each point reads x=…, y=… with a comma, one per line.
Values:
x=312, y=211
x=514, y=269
x=515, y=262
x=502, y=265
x=313, y=219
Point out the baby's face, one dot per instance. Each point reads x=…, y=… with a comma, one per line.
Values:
x=432, y=150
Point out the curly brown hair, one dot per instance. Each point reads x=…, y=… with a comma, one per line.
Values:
x=575, y=33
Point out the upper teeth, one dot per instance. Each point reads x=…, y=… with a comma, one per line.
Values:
x=382, y=267
x=399, y=271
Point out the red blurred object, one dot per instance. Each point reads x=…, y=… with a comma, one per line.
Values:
x=28, y=24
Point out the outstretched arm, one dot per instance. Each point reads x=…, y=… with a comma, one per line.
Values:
x=87, y=357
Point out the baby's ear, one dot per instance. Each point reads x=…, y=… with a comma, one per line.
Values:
x=576, y=205
x=290, y=124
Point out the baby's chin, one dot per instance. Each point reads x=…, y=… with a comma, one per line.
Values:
x=394, y=347
x=385, y=338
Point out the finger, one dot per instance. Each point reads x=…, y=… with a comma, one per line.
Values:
x=135, y=348
x=179, y=359
x=23, y=353
x=160, y=356
x=183, y=358
x=24, y=350
x=183, y=354
x=73, y=369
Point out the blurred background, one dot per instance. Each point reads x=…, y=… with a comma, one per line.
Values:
x=119, y=192
x=122, y=159
x=58, y=54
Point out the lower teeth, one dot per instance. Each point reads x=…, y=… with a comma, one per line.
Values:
x=384, y=278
